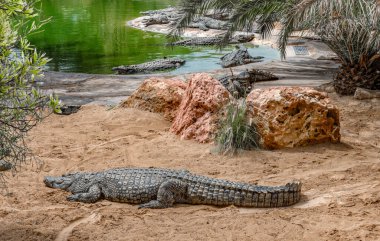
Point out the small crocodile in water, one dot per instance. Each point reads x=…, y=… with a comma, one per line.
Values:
x=156, y=65
x=161, y=188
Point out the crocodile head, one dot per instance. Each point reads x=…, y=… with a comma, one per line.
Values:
x=63, y=182
x=73, y=182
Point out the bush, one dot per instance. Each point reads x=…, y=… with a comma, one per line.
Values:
x=235, y=131
x=21, y=104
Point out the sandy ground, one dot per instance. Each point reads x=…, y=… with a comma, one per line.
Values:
x=341, y=191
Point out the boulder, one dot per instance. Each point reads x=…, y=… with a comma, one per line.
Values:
x=200, y=109
x=5, y=166
x=158, y=95
x=293, y=116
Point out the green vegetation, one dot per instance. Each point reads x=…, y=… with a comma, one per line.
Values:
x=91, y=36
x=235, y=131
x=351, y=28
x=21, y=105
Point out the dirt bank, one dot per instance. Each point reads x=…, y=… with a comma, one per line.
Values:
x=341, y=198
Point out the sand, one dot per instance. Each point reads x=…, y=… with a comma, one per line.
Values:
x=341, y=191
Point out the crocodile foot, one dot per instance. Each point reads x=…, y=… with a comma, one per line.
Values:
x=153, y=204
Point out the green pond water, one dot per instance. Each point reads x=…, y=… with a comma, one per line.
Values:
x=91, y=36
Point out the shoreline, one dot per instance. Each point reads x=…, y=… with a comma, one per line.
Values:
x=80, y=88
x=314, y=69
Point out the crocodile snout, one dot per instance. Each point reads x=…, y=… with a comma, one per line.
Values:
x=49, y=181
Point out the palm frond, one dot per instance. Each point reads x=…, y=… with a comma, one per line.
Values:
x=243, y=14
x=349, y=27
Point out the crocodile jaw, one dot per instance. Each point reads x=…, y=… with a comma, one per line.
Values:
x=58, y=182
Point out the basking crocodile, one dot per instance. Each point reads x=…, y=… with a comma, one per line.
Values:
x=241, y=85
x=206, y=23
x=239, y=57
x=161, y=16
x=172, y=15
x=156, y=65
x=197, y=41
x=161, y=188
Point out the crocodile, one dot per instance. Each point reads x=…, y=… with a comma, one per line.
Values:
x=206, y=23
x=239, y=57
x=162, y=188
x=156, y=65
x=161, y=16
x=241, y=85
x=172, y=15
x=166, y=11
x=197, y=41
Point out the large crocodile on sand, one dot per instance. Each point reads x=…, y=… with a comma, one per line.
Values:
x=161, y=188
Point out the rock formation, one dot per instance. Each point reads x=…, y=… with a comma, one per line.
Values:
x=199, y=111
x=293, y=116
x=158, y=95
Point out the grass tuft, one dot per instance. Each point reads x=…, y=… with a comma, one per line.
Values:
x=235, y=131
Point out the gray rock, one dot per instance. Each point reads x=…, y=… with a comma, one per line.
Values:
x=5, y=166
x=69, y=109
x=362, y=94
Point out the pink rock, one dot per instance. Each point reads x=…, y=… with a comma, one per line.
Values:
x=158, y=95
x=293, y=116
x=199, y=111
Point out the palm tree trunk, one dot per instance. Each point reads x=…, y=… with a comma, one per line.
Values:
x=349, y=77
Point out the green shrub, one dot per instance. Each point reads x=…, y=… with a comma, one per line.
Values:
x=235, y=131
x=22, y=105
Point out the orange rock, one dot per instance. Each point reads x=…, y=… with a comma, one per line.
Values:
x=293, y=116
x=199, y=111
x=158, y=95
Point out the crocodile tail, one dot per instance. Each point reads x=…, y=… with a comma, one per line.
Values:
x=291, y=195
x=215, y=192
x=281, y=196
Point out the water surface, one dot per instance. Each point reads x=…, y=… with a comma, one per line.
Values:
x=91, y=36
